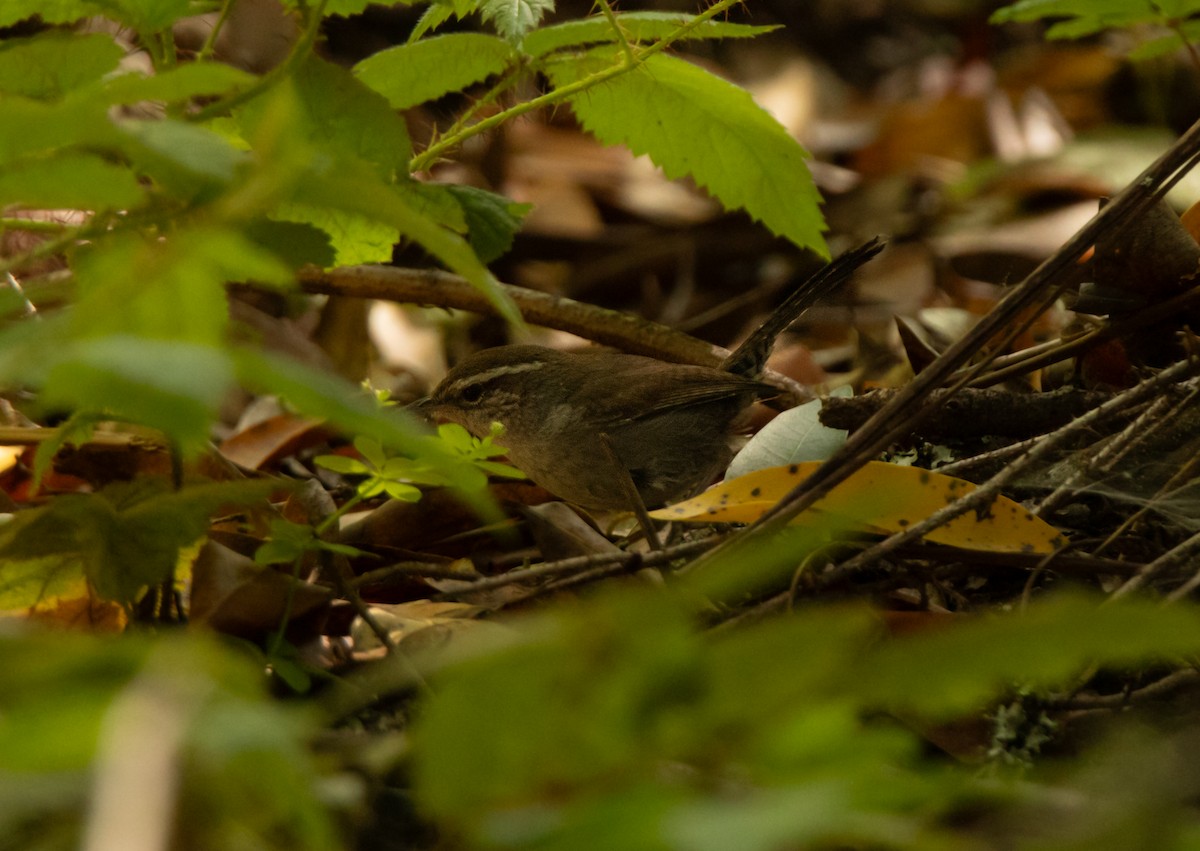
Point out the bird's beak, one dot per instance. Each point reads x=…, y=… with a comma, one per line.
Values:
x=424, y=409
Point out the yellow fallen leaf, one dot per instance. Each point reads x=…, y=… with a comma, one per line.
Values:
x=885, y=498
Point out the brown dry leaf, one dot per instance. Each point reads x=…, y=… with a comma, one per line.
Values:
x=418, y=626
x=913, y=133
x=271, y=439
x=232, y=593
x=87, y=612
x=884, y=498
x=561, y=533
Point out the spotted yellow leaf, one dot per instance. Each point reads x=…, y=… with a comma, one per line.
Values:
x=884, y=498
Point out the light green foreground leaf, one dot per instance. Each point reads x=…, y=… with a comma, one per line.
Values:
x=797, y=709
x=73, y=723
x=1093, y=16
x=636, y=26
x=175, y=84
x=424, y=70
x=693, y=123
x=54, y=62
x=70, y=180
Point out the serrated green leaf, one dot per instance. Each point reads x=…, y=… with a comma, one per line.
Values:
x=347, y=118
x=514, y=18
x=69, y=181
x=352, y=238
x=436, y=201
x=128, y=536
x=175, y=84
x=432, y=18
x=415, y=73
x=1088, y=18
x=492, y=220
x=54, y=62
x=691, y=122
x=637, y=27
x=367, y=197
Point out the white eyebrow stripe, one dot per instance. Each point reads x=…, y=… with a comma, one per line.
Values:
x=511, y=369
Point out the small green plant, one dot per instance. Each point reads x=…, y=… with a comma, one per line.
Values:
x=1163, y=26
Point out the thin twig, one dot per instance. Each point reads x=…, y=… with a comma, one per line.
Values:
x=909, y=406
x=578, y=564
x=1142, y=427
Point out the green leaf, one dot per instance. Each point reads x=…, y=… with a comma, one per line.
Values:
x=435, y=201
x=287, y=541
x=415, y=73
x=691, y=122
x=432, y=18
x=296, y=243
x=321, y=395
x=69, y=181
x=31, y=127
x=350, y=237
x=372, y=450
x=351, y=7
x=145, y=16
x=176, y=84
x=49, y=11
x=514, y=18
x=70, y=706
x=54, y=62
x=492, y=220
x=29, y=581
x=129, y=536
x=171, y=386
x=342, y=464
x=944, y=673
x=179, y=293
x=1093, y=16
x=402, y=492
x=592, y=685
x=359, y=194
x=637, y=27
x=184, y=158
x=347, y=118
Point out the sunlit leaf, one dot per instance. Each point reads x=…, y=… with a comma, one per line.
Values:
x=424, y=70
x=878, y=497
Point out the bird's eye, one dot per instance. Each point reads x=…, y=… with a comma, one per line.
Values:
x=472, y=393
